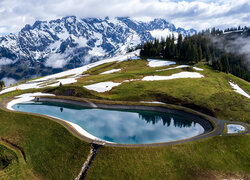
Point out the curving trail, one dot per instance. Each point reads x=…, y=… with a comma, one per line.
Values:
x=217, y=123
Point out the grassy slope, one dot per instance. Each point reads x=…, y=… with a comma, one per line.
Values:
x=60, y=155
x=52, y=152
x=212, y=93
x=196, y=160
x=213, y=158
x=8, y=163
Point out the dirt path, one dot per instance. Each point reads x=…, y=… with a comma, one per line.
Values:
x=217, y=123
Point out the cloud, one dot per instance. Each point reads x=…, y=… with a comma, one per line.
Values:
x=6, y=61
x=9, y=81
x=56, y=61
x=200, y=14
x=238, y=46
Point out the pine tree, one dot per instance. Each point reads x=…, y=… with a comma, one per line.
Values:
x=2, y=85
x=162, y=44
x=207, y=52
x=195, y=55
x=225, y=63
x=179, y=45
x=172, y=47
x=167, y=51
x=189, y=52
x=184, y=48
x=200, y=53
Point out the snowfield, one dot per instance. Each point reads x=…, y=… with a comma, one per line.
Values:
x=238, y=89
x=25, y=98
x=234, y=128
x=173, y=76
x=131, y=80
x=198, y=69
x=159, y=63
x=111, y=71
x=177, y=67
x=69, y=76
x=102, y=86
x=63, y=81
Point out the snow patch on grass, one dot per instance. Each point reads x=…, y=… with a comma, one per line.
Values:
x=131, y=80
x=134, y=58
x=102, y=86
x=177, y=67
x=238, y=89
x=198, y=69
x=159, y=63
x=173, y=76
x=63, y=81
x=21, y=87
x=71, y=75
x=25, y=98
x=111, y=71
x=234, y=128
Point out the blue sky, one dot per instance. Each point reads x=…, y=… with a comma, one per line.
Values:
x=14, y=14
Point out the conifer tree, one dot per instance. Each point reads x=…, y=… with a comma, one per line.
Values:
x=224, y=63
x=167, y=51
x=172, y=47
x=179, y=45
x=195, y=55
x=207, y=52
x=2, y=85
x=189, y=52
x=200, y=52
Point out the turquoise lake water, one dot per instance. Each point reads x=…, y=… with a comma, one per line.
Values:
x=118, y=126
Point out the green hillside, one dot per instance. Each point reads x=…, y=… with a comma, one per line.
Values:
x=52, y=152
x=211, y=94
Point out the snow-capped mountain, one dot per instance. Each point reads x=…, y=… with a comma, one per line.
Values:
x=57, y=45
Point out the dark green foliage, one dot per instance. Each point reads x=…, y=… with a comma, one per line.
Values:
x=185, y=50
x=2, y=85
x=205, y=45
x=225, y=63
x=200, y=55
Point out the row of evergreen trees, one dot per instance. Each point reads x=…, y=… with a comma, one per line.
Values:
x=235, y=29
x=193, y=49
x=186, y=50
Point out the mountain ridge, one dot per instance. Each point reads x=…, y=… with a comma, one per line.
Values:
x=48, y=47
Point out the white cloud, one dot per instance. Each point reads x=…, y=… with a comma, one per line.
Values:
x=9, y=81
x=6, y=61
x=201, y=14
x=56, y=61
